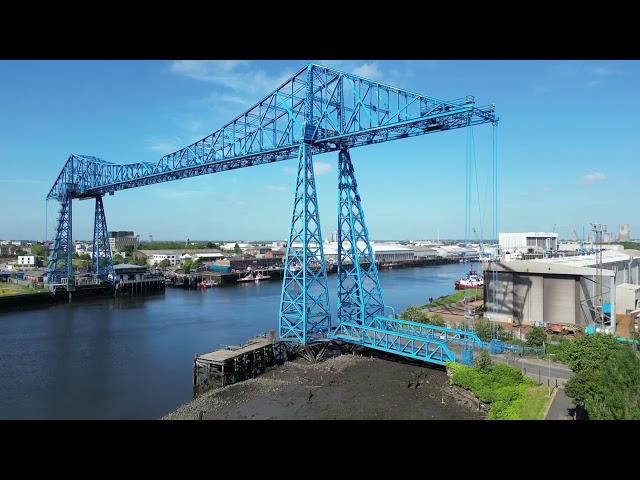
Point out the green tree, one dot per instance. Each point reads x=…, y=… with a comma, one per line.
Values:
x=483, y=329
x=187, y=265
x=196, y=264
x=117, y=259
x=413, y=314
x=588, y=352
x=435, y=319
x=236, y=249
x=37, y=249
x=483, y=363
x=164, y=263
x=128, y=249
x=536, y=337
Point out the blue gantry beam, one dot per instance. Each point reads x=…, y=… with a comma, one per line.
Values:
x=318, y=110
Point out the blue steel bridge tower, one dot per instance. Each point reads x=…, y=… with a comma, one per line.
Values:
x=318, y=110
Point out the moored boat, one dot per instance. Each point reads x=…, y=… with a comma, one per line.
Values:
x=471, y=280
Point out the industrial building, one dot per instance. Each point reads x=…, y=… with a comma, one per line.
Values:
x=514, y=245
x=624, y=234
x=383, y=252
x=120, y=240
x=562, y=290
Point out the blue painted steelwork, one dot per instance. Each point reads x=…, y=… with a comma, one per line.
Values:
x=305, y=316
x=318, y=110
x=102, y=262
x=61, y=257
x=360, y=296
x=328, y=109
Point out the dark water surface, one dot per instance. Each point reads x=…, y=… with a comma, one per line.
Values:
x=132, y=358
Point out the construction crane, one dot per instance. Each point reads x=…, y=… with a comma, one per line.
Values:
x=318, y=110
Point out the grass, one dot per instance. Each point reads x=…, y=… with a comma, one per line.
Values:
x=454, y=298
x=13, y=289
x=510, y=394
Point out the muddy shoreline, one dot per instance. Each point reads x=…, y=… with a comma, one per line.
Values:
x=341, y=387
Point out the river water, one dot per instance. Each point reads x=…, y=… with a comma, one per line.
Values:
x=132, y=358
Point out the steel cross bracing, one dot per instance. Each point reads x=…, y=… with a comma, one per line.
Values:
x=318, y=110
x=360, y=296
x=305, y=315
x=60, y=264
x=102, y=261
x=328, y=109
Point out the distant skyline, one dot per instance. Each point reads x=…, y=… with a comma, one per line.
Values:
x=568, y=148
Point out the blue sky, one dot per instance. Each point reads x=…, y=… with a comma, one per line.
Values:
x=568, y=147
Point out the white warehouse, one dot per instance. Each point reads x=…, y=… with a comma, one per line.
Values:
x=528, y=242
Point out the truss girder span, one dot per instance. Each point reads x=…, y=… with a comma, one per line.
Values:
x=102, y=261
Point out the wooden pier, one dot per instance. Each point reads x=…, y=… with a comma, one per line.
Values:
x=236, y=363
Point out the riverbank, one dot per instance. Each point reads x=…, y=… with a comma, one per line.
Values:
x=342, y=387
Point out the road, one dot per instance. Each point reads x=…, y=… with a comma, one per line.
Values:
x=562, y=407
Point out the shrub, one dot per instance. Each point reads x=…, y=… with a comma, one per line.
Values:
x=413, y=314
x=482, y=362
x=436, y=319
x=536, y=337
x=483, y=329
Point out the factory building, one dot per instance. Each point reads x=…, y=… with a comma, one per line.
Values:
x=518, y=244
x=383, y=252
x=559, y=290
x=120, y=240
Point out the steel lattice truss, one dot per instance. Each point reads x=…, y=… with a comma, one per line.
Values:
x=61, y=258
x=304, y=304
x=410, y=339
x=318, y=110
x=328, y=109
x=102, y=260
x=360, y=297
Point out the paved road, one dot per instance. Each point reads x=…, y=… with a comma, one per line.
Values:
x=562, y=407
x=538, y=370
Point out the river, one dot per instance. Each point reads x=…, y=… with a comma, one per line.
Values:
x=132, y=358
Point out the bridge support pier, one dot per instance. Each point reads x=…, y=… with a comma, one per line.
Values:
x=61, y=259
x=304, y=316
x=360, y=296
x=102, y=261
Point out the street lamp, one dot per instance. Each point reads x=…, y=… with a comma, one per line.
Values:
x=549, y=376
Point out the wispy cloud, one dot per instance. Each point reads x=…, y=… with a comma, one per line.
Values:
x=592, y=178
x=276, y=188
x=164, y=146
x=290, y=171
x=321, y=168
x=368, y=70
x=24, y=182
x=240, y=80
x=172, y=193
x=603, y=71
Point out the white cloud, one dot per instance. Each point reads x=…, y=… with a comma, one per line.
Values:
x=290, y=171
x=605, y=71
x=241, y=81
x=368, y=70
x=593, y=177
x=321, y=168
x=276, y=188
x=171, y=193
x=593, y=83
x=164, y=146
x=25, y=182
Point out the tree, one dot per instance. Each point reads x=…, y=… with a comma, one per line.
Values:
x=436, y=319
x=196, y=264
x=37, y=249
x=536, y=337
x=164, y=263
x=483, y=329
x=187, y=265
x=117, y=259
x=483, y=363
x=237, y=250
x=413, y=314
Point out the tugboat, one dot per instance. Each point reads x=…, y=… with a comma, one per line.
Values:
x=471, y=280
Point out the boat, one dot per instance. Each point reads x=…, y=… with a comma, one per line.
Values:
x=250, y=277
x=260, y=276
x=471, y=280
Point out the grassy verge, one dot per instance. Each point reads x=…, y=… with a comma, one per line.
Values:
x=454, y=298
x=511, y=395
x=12, y=289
